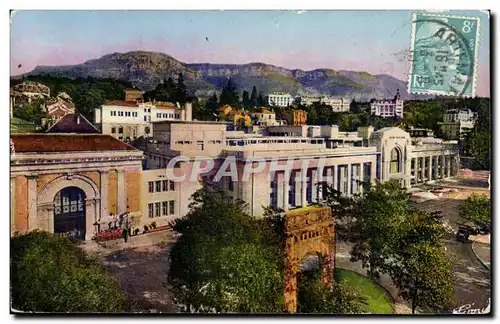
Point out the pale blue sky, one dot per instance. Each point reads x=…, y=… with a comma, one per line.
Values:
x=373, y=41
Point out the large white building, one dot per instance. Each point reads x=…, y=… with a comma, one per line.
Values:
x=337, y=104
x=457, y=122
x=278, y=99
x=128, y=120
x=344, y=159
x=388, y=107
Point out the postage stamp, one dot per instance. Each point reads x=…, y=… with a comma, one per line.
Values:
x=444, y=52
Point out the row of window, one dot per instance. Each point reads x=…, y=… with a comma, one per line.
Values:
x=163, y=208
x=167, y=115
x=161, y=185
x=124, y=113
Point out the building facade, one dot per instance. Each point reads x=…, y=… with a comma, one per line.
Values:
x=72, y=184
x=347, y=161
x=279, y=99
x=456, y=123
x=388, y=107
x=128, y=120
x=75, y=184
x=337, y=104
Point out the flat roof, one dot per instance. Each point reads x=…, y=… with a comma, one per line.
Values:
x=191, y=122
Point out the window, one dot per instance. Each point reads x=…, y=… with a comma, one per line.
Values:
x=177, y=116
x=151, y=186
x=157, y=209
x=150, y=210
x=164, y=185
x=164, y=208
x=395, y=160
x=113, y=130
x=172, y=185
x=172, y=207
x=127, y=114
x=113, y=113
x=158, y=186
x=158, y=115
x=145, y=118
x=199, y=145
x=120, y=130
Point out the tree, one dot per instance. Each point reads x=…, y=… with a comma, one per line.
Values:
x=31, y=112
x=246, y=100
x=180, y=90
x=52, y=274
x=220, y=263
x=476, y=208
x=261, y=101
x=478, y=140
x=212, y=104
x=254, y=98
x=316, y=297
x=229, y=95
x=424, y=275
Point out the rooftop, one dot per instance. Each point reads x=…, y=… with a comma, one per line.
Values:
x=73, y=123
x=45, y=143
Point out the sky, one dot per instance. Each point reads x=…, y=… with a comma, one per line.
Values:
x=373, y=41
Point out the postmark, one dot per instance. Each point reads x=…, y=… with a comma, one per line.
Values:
x=444, y=55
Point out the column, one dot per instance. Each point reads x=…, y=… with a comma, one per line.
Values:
x=314, y=185
x=443, y=162
x=373, y=172
x=279, y=189
x=12, y=205
x=121, y=197
x=286, y=189
x=429, y=170
x=361, y=177
x=448, y=163
x=104, y=195
x=303, y=187
x=297, y=178
x=32, y=202
x=349, y=179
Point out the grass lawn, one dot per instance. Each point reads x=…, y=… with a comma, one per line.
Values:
x=379, y=302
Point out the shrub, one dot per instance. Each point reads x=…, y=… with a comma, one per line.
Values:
x=52, y=274
x=153, y=224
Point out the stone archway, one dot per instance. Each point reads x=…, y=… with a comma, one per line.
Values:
x=47, y=195
x=307, y=230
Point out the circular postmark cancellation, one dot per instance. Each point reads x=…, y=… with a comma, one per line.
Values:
x=443, y=52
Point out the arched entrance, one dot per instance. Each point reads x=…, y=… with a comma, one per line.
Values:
x=308, y=230
x=75, y=190
x=69, y=213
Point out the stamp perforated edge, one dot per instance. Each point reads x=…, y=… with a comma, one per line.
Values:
x=476, y=56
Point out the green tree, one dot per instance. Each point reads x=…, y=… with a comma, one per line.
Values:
x=180, y=90
x=31, y=112
x=476, y=208
x=51, y=274
x=478, y=140
x=229, y=95
x=424, y=276
x=254, y=98
x=212, y=104
x=316, y=297
x=261, y=101
x=245, y=100
x=220, y=263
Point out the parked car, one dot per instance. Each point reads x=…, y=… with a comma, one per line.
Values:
x=462, y=235
x=484, y=228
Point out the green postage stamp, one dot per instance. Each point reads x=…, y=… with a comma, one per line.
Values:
x=444, y=52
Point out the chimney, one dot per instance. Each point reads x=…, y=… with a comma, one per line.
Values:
x=188, y=107
x=78, y=119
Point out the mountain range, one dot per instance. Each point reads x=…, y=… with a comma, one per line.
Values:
x=146, y=69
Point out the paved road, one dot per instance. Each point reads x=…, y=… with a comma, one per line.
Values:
x=472, y=281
